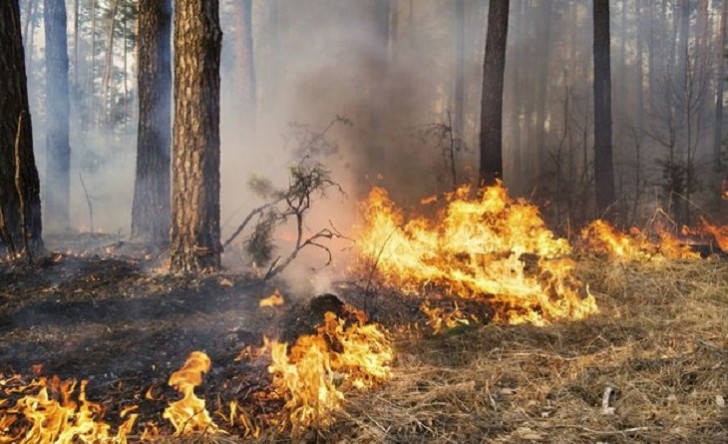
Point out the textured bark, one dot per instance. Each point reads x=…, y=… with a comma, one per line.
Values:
x=151, y=207
x=491, y=116
x=195, y=232
x=603, y=161
x=58, y=150
x=16, y=141
x=246, y=62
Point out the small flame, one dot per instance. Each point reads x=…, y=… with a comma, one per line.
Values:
x=313, y=377
x=492, y=247
x=274, y=300
x=188, y=415
x=600, y=237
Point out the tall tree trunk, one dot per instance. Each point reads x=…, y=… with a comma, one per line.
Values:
x=91, y=89
x=543, y=72
x=58, y=164
x=603, y=161
x=246, y=63
x=720, y=83
x=76, y=21
x=28, y=19
x=195, y=233
x=151, y=207
x=491, y=116
x=639, y=71
x=104, y=111
x=459, y=67
x=20, y=214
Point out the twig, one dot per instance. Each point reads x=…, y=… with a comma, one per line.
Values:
x=88, y=202
x=247, y=219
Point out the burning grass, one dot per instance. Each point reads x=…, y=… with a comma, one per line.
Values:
x=650, y=367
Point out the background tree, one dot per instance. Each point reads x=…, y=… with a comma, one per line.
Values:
x=58, y=149
x=151, y=207
x=20, y=215
x=246, y=62
x=195, y=233
x=491, y=117
x=603, y=161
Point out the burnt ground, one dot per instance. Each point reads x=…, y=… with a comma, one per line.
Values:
x=107, y=316
x=658, y=348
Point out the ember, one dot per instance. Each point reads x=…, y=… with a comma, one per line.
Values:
x=274, y=300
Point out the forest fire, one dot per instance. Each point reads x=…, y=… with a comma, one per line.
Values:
x=489, y=247
x=320, y=368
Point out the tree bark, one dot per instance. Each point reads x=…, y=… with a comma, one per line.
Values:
x=603, y=161
x=151, y=207
x=195, y=232
x=58, y=150
x=246, y=63
x=491, y=116
x=20, y=213
x=105, y=109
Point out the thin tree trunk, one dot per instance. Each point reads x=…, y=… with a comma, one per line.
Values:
x=491, y=116
x=543, y=73
x=151, y=205
x=104, y=111
x=58, y=164
x=639, y=71
x=76, y=20
x=459, y=67
x=91, y=90
x=28, y=18
x=246, y=63
x=603, y=161
x=720, y=83
x=195, y=232
x=20, y=213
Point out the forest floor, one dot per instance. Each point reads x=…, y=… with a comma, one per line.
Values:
x=650, y=367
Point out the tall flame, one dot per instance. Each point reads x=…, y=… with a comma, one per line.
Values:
x=188, y=415
x=490, y=246
x=314, y=376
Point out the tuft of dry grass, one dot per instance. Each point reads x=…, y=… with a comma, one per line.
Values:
x=650, y=367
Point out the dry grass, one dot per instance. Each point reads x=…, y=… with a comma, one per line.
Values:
x=660, y=345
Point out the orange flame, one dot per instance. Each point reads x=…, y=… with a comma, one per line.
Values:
x=52, y=415
x=188, y=415
x=600, y=237
x=491, y=247
x=274, y=300
x=321, y=367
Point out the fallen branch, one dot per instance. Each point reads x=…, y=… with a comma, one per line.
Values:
x=88, y=202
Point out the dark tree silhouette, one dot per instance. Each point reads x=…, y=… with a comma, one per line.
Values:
x=491, y=116
x=603, y=161
x=58, y=165
x=20, y=216
x=195, y=233
x=151, y=207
